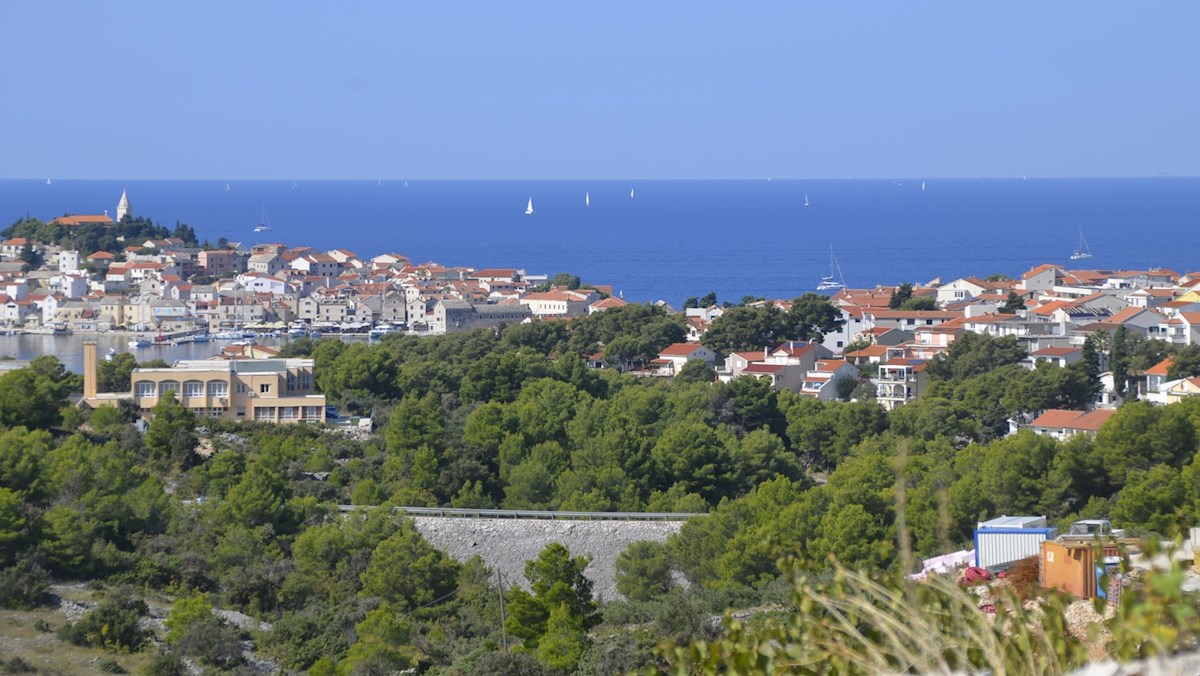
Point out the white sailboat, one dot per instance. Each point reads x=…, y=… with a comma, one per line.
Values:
x=587, y=199
x=631, y=193
x=529, y=207
x=805, y=199
x=1082, y=251
x=48, y=182
x=834, y=280
x=263, y=224
x=922, y=186
x=226, y=187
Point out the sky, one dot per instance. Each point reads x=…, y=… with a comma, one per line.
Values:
x=616, y=89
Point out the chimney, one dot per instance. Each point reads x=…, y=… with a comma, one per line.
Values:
x=89, y=370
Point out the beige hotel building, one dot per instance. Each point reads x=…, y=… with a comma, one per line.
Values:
x=266, y=390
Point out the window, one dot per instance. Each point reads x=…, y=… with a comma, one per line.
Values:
x=242, y=388
x=264, y=413
x=167, y=386
x=217, y=388
x=193, y=388
x=264, y=388
x=241, y=411
x=144, y=388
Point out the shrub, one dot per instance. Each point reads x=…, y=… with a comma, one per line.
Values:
x=24, y=585
x=112, y=625
x=509, y=664
x=111, y=666
x=165, y=664
x=212, y=642
x=18, y=666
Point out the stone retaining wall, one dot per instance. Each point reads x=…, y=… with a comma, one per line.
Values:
x=506, y=544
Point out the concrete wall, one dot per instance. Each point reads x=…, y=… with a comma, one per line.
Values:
x=506, y=544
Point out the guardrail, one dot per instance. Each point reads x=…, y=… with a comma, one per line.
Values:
x=532, y=514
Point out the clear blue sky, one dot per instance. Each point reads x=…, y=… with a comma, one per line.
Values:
x=614, y=89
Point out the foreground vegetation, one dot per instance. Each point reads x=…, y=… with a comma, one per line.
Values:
x=515, y=418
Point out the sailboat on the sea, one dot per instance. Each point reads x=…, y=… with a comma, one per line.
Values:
x=631, y=193
x=1082, y=251
x=587, y=199
x=529, y=207
x=48, y=182
x=263, y=223
x=805, y=199
x=834, y=280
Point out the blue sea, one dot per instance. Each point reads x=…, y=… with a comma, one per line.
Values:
x=674, y=239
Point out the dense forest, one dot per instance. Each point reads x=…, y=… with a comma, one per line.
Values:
x=515, y=418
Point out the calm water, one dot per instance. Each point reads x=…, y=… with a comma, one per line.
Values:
x=680, y=238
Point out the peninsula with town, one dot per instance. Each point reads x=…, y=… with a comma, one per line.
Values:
x=171, y=289
x=371, y=465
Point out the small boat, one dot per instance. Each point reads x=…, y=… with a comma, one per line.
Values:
x=139, y=343
x=833, y=281
x=314, y=334
x=296, y=332
x=228, y=335
x=243, y=343
x=380, y=330
x=631, y=193
x=112, y=352
x=805, y=199
x=226, y=187
x=529, y=207
x=587, y=199
x=264, y=223
x=48, y=182
x=200, y=338
x=922, y=186
x=1082, y=252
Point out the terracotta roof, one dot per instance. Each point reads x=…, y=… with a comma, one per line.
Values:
x=749, y=356
x=1125, y=314
x=610, y=302
x=494, y=272
x=1049, y=308
x=914, y=314
x=680, y=349
x=1039, y=269
x=917, y=364
x=1074, y=420
x=82, y=219
x=1160, y=369
x=870, y=351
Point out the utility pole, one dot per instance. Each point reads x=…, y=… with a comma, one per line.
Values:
x=503, y=631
